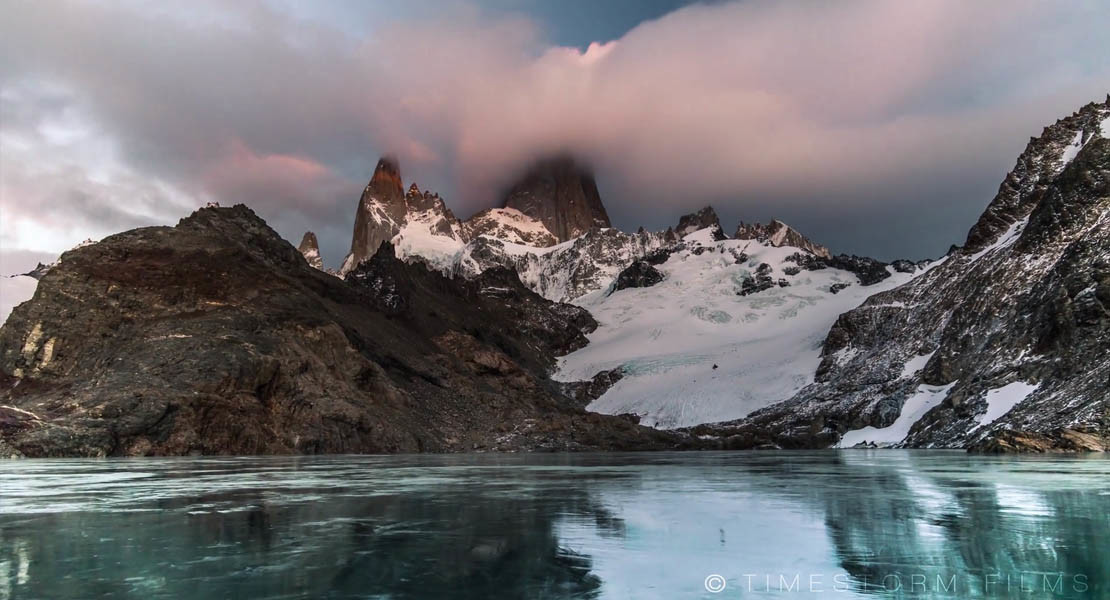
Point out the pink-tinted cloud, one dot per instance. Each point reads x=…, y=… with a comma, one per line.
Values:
x=836, y=112
x=294, y=183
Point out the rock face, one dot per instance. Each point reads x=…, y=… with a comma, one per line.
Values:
x=637, y=275
x=1004, y=345
x=216, y=337
x=706, y=217
x=310, y=249
x=869, y=270
x=562, y=195
x=381, y=204
x=778, y=233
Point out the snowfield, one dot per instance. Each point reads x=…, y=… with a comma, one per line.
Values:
x=670, y=337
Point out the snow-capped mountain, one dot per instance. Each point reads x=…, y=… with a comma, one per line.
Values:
x=386, y=212
x=696, y=327
x=764, y=340
x=554, y=199
x=1005, y=344
x=777, y=233
x=509, y=225
x=756, y=307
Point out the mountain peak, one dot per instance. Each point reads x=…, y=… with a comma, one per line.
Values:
x=310, y=249
x=560, y=193
x=385, y=211
x=382, y=204
x=1045, y=157
x=387, y=174
x=777, y=233
x=705, y=217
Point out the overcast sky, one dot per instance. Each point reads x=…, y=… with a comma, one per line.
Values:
x=878, y=128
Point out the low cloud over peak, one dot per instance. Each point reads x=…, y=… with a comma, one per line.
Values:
x=851, y=121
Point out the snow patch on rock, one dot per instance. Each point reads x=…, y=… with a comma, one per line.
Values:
x=922, y=401
x=1002, y=400
x=915, y=364
x=1072, y=149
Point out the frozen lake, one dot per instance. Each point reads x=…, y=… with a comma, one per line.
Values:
x=838, y=524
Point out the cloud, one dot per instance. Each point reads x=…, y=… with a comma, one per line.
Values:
x=877, y=127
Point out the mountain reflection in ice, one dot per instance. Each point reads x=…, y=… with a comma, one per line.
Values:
x=846, y=524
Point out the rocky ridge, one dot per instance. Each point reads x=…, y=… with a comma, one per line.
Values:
x=1002, y=345
x=778, y=234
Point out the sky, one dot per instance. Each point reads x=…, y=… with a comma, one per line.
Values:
x=877, y=128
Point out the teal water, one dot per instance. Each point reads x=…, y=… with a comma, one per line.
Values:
x=838, y=524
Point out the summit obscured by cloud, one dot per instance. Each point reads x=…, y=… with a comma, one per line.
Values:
x=878, y=128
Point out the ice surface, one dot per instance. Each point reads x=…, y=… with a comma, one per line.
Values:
x=649, y=526
x=417, y=238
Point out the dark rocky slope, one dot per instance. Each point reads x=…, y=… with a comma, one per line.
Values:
x=1020, y=313
x=216, y=337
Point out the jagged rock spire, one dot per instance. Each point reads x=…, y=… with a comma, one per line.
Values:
x=387, y=175
x=385, y=209
x=705, y=217
x=561, y=194
x=381, y=204
x=311, y=250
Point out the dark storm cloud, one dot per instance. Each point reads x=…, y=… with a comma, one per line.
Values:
x=878, y=127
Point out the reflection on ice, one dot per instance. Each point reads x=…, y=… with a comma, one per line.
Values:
x=887, y=524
